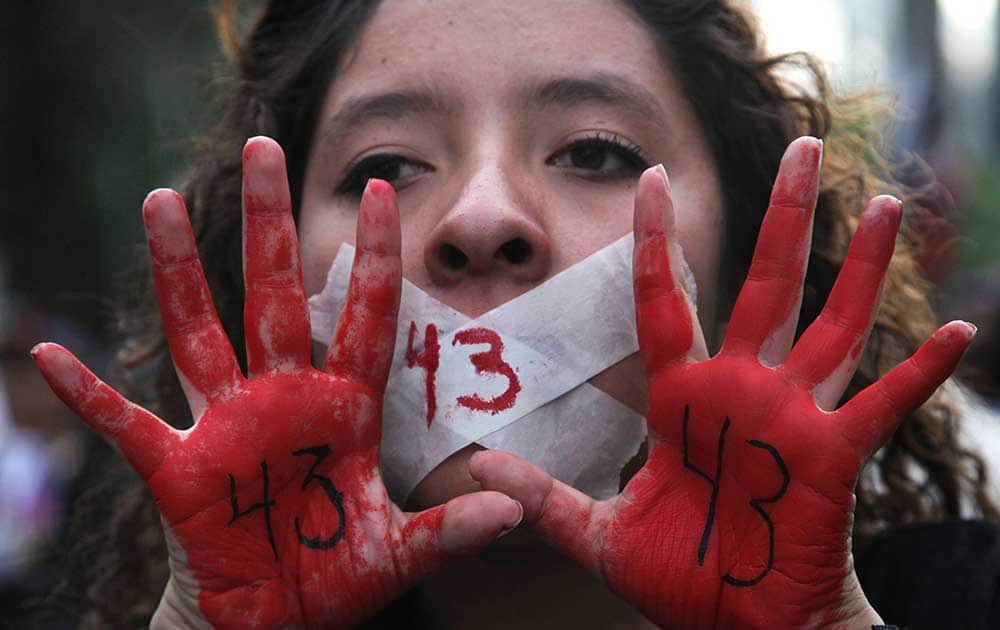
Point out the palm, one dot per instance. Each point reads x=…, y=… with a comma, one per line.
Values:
x=775, y=537
x=274, y=509
x=325, y=507
x=741, y=516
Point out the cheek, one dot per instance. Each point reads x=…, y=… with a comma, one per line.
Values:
x=417, y=222
x=698, y=211
x=321, y=234
x=580, y=224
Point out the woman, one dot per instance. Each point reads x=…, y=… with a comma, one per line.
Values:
x=512, y=163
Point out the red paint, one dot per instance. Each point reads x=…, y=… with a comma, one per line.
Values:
x=314, y=434
x=656, y=290
x=644, y=544
x=726, y=432
x=856, y=350
x=198, y=344
x=839, y=331
x=275, y=318
x=363, y=340
x=429, y=360
x=773, y=288
x=489, y=362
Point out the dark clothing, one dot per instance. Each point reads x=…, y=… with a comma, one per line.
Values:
x=935, y=576
x=943, y=576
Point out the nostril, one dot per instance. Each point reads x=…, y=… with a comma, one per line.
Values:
x=517, y=251
x=452, y=257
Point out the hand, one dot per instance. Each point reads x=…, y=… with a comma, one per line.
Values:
x=742, y=514
x=273, y=505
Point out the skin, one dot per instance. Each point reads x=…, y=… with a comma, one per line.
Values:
x=794, y=572
x=325, y=547
x=741, y=516
x=273, y=506
x=486, y=174
x=480, y=172
x=483, y=174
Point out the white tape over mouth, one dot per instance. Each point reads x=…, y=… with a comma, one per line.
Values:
x=552, y=340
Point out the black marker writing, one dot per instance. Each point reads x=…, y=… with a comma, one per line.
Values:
x=335, y=497
x=703, y=546
x=755, y=503
x=261, y=505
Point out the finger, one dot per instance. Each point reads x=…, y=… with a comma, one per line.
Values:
x=144, y=439
x=871, y=417
x=828, y=352
x=766, y=312
x=664, y=315
x=362, y=346
x=458, y=528
x=570, y=520
x=275, y=318
x=201, y=352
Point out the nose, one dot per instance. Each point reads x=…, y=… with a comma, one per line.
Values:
x=488, y=231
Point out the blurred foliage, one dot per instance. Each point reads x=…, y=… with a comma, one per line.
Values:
x=978, y=249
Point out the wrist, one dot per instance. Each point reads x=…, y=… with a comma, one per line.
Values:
x=867, y=619
x=857, y=612
x=175, y=611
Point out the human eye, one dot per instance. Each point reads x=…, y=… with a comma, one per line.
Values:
x=391, y=167
x=602, y=156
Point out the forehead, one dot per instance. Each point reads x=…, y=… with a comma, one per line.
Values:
x=492, y=46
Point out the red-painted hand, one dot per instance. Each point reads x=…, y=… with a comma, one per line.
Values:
x=741, y=517
x=273, y=505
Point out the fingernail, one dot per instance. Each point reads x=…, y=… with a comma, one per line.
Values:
x=797, y=183
x=663, y=174
x=973, y=329
x=246, y=148
x=520, y=517
x=375, y=186
x=895, y=200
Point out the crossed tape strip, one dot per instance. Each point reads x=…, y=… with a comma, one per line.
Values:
x=514, y=378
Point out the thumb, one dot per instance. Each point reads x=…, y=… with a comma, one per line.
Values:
x=460, y=527
x=570, y=520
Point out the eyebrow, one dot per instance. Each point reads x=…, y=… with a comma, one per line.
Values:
x=599, y=88
x=392, y=105
x=562, y=93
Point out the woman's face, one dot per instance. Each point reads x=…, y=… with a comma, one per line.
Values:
x=514, y=132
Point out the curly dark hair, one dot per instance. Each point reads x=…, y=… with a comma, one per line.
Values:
x=749, y=111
